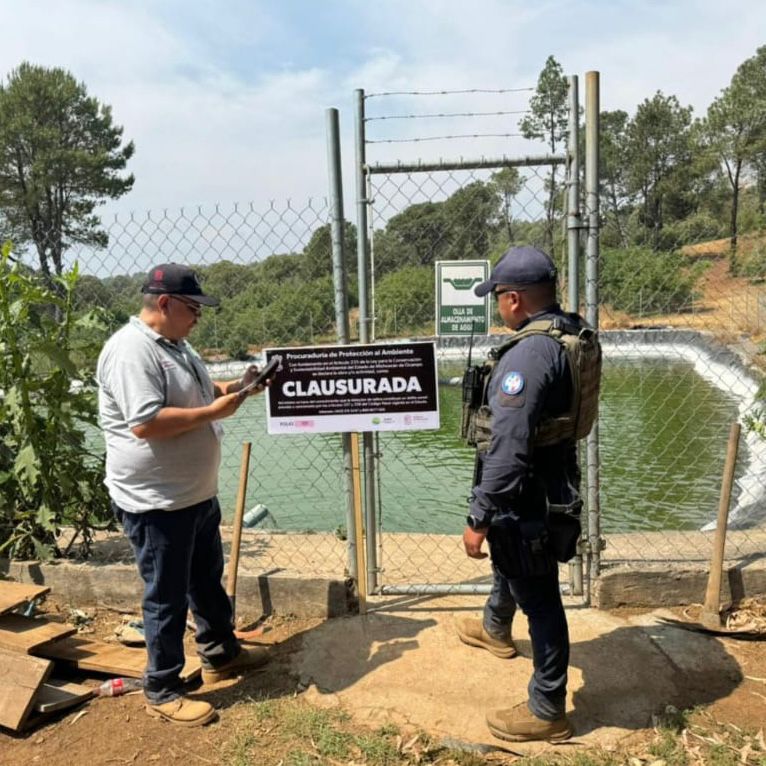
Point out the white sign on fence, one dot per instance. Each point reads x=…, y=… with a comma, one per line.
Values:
x=457, y=308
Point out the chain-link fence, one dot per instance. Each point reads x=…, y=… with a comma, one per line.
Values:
x=682, y=315
x=416, y=219
x=272, y=270
x=420, y=212
x=683, y=319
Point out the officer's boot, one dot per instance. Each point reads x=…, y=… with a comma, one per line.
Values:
x=519, y=724
x=472, y=632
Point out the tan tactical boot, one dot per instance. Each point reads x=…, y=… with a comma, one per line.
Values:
x=518, y=724
x=471, y=631
x=183, y=711
x=247, y=659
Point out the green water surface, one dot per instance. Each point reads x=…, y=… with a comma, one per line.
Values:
x=663, y=432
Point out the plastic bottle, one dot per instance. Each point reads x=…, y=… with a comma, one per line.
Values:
x=114, y=687
x=255, y=515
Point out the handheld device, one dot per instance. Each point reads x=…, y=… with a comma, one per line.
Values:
x=266, y=373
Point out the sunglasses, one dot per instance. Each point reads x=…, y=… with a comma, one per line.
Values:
x=497, y=293
x=195, y=308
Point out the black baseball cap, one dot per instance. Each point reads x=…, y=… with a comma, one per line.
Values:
x=519, y=267
x=175, y=279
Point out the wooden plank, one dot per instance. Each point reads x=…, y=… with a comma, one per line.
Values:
x=58, y=694
x=25, y=634
x=14, y=594
x=112, y=659
x=20, y=678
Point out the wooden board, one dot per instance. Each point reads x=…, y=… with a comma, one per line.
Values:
x=112, y=659
x=24, y=634
x=14, y=594
x=20, y=678
x=57, y=694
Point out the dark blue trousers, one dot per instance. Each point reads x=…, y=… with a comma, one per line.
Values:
x=180, y=559
x=540, y=600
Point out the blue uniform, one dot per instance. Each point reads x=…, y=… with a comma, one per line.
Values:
x=516, y=482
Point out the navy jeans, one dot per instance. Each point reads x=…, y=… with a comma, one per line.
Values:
x=540, y=600
x=180, y=559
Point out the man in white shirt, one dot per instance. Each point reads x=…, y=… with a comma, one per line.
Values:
x=161, y=414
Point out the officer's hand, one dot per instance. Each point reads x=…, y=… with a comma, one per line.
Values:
x=473, y=539
x=225, y=405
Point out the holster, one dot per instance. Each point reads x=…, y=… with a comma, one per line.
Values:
x=521, y=549
x=564, y=529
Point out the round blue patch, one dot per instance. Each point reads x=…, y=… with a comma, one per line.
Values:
x=513, y=383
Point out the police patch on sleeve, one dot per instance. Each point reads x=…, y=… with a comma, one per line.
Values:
x=513, y=384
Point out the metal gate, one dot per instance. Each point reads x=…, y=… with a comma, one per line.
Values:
x=414, y=212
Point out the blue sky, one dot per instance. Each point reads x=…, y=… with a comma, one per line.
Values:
x=225, y=99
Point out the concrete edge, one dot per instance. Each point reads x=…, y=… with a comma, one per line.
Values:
x=119, y=585
x=661, y=585
x=651, y=586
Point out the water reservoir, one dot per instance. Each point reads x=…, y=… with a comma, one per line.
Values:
x=664, y=425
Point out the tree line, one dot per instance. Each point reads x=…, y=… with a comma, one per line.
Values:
x=667, y=179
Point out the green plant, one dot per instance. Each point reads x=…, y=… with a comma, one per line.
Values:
x=753, y=264
x=49, y=478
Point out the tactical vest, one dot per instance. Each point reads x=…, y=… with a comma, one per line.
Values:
x=583, y=351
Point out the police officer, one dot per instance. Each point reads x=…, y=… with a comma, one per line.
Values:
x=517, y=482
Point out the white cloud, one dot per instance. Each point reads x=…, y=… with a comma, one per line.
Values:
x=211, y=128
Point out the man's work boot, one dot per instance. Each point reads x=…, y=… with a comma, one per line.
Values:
x=519, y=724
x=472, y=632
x=183, y=711
x=247, y=659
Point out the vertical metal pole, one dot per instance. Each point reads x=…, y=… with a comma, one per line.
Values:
x=573, y=207
x=573, y=249
x=341, y=312
x=372, y=262
x=362, y=255
x=362, y=259
x=592, y=131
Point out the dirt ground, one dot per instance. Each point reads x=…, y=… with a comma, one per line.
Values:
x=268, y=717
x=115, y=730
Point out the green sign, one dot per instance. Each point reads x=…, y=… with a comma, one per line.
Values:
x=458, y=309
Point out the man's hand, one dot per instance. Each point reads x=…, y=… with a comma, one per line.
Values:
x=173, y=421
x=247, y=379
x=473, y=539
x=224, y=406
x=249, y=376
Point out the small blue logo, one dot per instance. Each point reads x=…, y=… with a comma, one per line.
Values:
x=513, y=383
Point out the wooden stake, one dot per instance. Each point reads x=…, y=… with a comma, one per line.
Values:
x=236, y=538
x=711, y=616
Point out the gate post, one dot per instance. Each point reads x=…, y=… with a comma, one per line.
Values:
x=341, y=321
x=592, y=114
x=362, y=259
x=574, y=222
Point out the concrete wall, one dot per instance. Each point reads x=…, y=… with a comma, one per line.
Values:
x=676, y=585
x=119, y=585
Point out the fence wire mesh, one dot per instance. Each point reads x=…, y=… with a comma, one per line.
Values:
x=416, y=219
x=682, y=314
x=272, y=270
x=683, y=317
